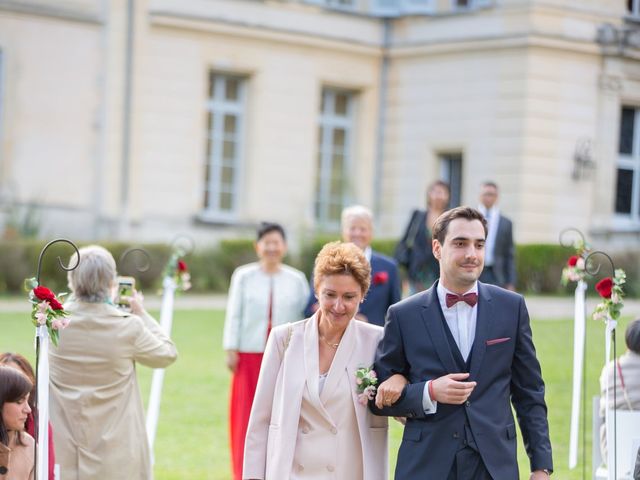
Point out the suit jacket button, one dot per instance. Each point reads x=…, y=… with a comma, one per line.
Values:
x=330, y=468
x=300, y=467
x=467, y=404
x=455, y=435
x=305, y=429
x=334, y=430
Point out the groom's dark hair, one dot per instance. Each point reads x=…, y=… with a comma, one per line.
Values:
x=632, y=336
x=441, y=226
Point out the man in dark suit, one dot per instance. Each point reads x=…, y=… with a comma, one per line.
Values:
x=499, y=266
x=385, y=289
x=467, y=352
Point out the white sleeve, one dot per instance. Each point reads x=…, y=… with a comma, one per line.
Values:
x=429, y=406
x=233, y=319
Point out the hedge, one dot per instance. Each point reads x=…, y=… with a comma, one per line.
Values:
x=538, y=266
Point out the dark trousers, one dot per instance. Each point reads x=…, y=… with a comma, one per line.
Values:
x=468, y=465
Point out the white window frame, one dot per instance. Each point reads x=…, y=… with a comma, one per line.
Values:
x=631, y=162
x=635, y=9
x=218, y=106
x=328, y=121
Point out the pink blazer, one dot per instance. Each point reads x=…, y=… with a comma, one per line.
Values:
x=289, y=365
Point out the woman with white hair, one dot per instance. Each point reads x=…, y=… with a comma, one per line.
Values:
x=96, y=407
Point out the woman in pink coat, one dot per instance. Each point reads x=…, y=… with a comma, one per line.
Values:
x=310, y=418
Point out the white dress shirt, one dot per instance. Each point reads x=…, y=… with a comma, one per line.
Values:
x=461, y=319
x=493, y=219
x=245, y=326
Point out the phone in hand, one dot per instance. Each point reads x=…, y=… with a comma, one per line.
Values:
x=126, y=286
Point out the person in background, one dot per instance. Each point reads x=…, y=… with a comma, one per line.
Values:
x=262, y=295
x=96, y=409
x=627, y=377
x=499, y=266
x=16, y=446
x=20, y=363
x=636, y=471
x=357, y=228
x=414, y=252
x=309, y=419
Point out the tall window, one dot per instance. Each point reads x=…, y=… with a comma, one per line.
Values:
x=628, y=177
x=334, y=155
x=226, y=114
x=451, y=172
x=633, y=7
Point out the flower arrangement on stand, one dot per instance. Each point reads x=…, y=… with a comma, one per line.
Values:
x=575, y=269
x=177, y=270
x=611, y=291
x=366, y=381
x=47, y=309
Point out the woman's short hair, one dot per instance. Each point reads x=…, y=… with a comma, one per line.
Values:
x=25, y=367
x=339, y=258
x=632, y=336
x=93, y=279
x=268, y=227
x=14, y=385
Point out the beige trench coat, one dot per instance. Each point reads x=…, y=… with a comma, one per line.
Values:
x=17, y=460
x=96, y=410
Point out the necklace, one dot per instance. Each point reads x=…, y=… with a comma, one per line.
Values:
x=332, y=345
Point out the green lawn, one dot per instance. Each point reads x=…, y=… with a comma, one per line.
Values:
x=192, y=434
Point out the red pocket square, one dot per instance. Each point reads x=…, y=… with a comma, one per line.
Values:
x=498, y=340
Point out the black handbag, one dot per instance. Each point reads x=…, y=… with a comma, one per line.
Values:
x=403, y=251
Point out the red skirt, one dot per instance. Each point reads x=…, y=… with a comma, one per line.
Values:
x=243, y=389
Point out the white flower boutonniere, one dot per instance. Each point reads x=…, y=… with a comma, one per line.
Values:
x=366, y=381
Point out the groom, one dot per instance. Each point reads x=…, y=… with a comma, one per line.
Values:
x=467, y=351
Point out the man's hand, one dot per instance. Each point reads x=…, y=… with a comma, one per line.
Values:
x=390, y=390
x=539, y=475
x=231, y=359
x=136, y=302
x=451, y=389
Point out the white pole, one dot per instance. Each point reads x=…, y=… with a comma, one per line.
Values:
x=611, y=468
x=42, y=429
x=166, y=320
x=578, y=360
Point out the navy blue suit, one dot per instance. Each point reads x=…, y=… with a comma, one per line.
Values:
x=385, y=290
x=503, y=363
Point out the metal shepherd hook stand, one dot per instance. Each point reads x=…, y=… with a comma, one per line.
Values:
x=572, y=237
x=140, y=267
x=41, y=420
x=611, y=327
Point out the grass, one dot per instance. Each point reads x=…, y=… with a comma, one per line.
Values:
x=192, y=433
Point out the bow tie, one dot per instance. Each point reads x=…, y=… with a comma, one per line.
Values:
x=469, y=298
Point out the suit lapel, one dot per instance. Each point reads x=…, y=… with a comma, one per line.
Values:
x=340, y=361
x=434, y=322
x=312, y=364
x=483, y=327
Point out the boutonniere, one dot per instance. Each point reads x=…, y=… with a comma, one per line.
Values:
x=610, y=289
x=46, y=309
x=366, y=381
x=380, y=278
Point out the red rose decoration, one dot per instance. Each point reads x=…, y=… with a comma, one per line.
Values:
x=182, y=267
x=573, y=260
x=380, y=278
x=55, y=304
x=604, y=286
x=43, y=293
